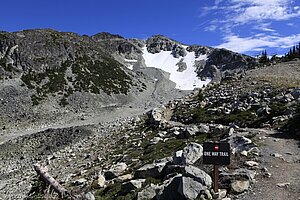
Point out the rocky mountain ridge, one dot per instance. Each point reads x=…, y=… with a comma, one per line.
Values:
x=45, y=73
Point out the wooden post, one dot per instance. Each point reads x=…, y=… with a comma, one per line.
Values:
x=216, y=178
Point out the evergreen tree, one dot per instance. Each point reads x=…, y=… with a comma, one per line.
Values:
x=264, y=57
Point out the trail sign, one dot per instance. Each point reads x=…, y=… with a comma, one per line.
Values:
x=216, y=153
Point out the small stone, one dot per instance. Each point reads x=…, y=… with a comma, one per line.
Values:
x=264, y=169
x=101, y=181
x=125, y=177
x=222, y=193
x=267, y=175
x=207, y=194
x=80, y=181
x=203, y=128
x=155, y=140
x=277, y=155
x=89, y=196
x=239, y=186
x=244, y=153
x=283, y=184
x=251, y=163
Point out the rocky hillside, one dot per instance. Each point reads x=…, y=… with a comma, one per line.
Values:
x=115, y=118
x=45, y=75
x=158, y=155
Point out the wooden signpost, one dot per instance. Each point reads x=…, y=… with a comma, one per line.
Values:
x=216, y=154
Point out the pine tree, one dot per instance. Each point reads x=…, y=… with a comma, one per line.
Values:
x=264, y=57
x=299, y=50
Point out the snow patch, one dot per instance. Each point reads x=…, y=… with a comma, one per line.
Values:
x=186, y=80
x=127, y=60
x=130, y=65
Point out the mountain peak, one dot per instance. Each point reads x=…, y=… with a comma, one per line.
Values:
x=106, y=36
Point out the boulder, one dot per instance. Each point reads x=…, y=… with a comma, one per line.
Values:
x=149, y=192
x=191, y=130
x=115, y=171
x=132, y=185
x=181, y=188
x=100, y=182
x=251, y=163
x=190, y=171
x=125, y=177
x=89, y=196
x=189, y=155
x=198, y=174
x=150, y=170
x=155, y=140
x=189, y=188
x=239, y=144
x=204, y=129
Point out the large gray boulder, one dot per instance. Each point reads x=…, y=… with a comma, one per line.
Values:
x=240, y=143
x=189, y=171
x=181, y=188
x=198, y=174
x=189, y=155
x=150, y=170
x=149, y=192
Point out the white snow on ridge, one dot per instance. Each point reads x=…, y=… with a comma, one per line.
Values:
x=127, y=60
x=130, y=65
x=186, y=80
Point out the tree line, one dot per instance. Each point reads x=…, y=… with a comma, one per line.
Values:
x=293, y=53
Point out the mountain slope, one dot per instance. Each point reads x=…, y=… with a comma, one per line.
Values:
x=46, y=75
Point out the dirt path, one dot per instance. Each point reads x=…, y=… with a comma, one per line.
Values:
x=284, y=169
x=104, y=116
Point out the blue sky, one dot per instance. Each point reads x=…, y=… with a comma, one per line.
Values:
x=246, y=26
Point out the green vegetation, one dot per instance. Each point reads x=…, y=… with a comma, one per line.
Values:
x=95, y=75
x=54, y=82
x=293, y=53
x=40, y=190
x=113, y=191
x=293, y=126
x=3, y=36
x=145, y=154
x=91, y=76
x=5, y=66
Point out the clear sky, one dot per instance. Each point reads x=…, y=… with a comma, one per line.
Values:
x=246, y=26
